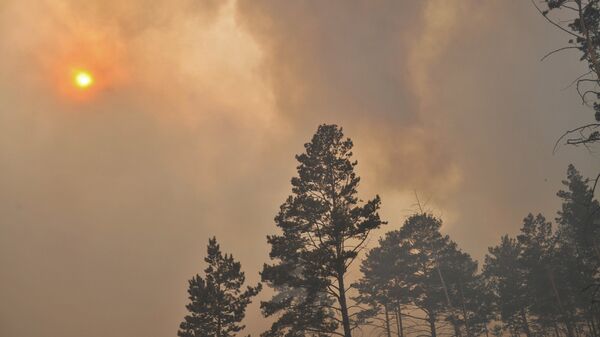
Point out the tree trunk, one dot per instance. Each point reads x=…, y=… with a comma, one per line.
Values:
x=387, y=321
x=464, y=309
x=344, y=306
x=399, y=321
x=432, y=325
x=218, y=314
x=525, y=323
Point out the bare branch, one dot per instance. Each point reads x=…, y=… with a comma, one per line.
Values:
x=556, y=51
x=554, y=23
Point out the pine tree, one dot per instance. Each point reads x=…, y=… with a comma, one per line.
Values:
x=579, y=218
x=374, y=288
x=460, y=276
x=217, y=303
x=324, y=226
x=506, y=279
x=579, y=245
x=537, y=258
x=384, y=285
x=428, y=246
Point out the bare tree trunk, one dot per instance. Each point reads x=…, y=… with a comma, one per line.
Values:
x=344, y=305
x=387, y=321
x=432, y=325
x=399, y=320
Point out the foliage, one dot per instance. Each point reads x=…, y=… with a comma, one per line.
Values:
x=323, y=228
x=217, y=303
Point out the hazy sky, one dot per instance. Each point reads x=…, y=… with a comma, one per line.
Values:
x=108, y=196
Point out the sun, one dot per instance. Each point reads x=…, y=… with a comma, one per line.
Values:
x=83, y=79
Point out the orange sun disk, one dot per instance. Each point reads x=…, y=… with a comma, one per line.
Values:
x=83, y=79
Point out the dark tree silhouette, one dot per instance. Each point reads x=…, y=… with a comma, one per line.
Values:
x=541, y=281
x=579, y=218
x=534, y=284
x=579, y=234
x=425, y=272
x=383, y=287
x=217, y=303
x=551, y=305
x=460, y=276
x=324, y=226
x=506, y=279
x=428, y=246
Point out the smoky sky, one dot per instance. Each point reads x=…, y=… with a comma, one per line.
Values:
x=107, y=203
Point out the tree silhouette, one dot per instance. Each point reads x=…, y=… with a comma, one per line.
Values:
x=324, y=226
x=541, y=281
x=217, y=303
x=384, y=285
x=428, y=246
x=374, y=288
x=506, y=279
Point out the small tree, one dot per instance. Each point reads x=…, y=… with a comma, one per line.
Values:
x=217, y=303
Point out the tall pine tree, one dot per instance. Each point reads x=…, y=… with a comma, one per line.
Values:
x=324, y=226
x=217, y=303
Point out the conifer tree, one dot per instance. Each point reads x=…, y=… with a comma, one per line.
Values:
x=323, y=227
x=506, y=278
x=579, y=218
x=217, y=302
x=579, y=246
x=374, y=288
x=385, y=283
x=537, y=259
x=460, y=276
x=428, y=248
